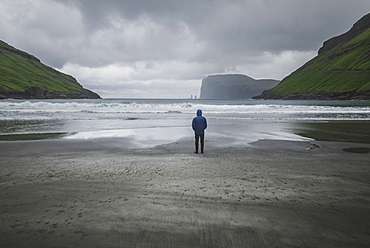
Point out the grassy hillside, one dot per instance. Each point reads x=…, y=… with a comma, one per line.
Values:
x=21, y=73
x=340, y=71
x=343, y=68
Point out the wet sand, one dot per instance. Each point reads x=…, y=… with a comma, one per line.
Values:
x=96, y=193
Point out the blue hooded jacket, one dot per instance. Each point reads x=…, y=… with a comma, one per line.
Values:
x=199, y=123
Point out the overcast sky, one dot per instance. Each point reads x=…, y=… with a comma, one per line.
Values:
x=163, y=48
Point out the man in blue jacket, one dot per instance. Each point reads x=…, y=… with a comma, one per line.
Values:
x=199, y=125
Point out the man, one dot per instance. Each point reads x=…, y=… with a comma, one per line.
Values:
x=199, y=125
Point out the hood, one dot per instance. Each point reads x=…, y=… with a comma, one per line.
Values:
x=199, y=112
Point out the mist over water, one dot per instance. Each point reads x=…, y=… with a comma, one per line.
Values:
x=149, y=122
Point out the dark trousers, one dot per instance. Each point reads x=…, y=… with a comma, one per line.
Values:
x=201, y=137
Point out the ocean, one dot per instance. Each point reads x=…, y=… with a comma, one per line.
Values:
x=151, y=122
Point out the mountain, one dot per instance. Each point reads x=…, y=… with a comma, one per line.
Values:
x=235, y=86
x=340, y=71
x=23, y=76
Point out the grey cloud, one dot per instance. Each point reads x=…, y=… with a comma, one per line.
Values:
x=226, y=28
x=96, y=33
x=177, y=39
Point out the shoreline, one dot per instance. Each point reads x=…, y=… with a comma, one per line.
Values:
x=97, y=193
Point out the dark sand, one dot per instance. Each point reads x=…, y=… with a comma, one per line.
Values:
x=67, y=193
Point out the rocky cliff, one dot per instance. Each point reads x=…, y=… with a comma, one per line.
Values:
x=23, y=76
x=340, y=71
x=233, y=86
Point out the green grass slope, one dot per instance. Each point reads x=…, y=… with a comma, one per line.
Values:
x=342, y=68
x=24, y=76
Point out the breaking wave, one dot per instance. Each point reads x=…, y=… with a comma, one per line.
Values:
x=102, y=109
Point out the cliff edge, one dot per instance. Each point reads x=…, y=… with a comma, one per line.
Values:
x=233, y=86
x=23, y=76
x=340, y=71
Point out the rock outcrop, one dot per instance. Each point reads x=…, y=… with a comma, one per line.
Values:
x=233, y=86
x=39, y=93
x=358, y=28
x=350, y=95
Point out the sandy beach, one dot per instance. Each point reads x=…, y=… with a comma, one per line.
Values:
x=96, y=193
